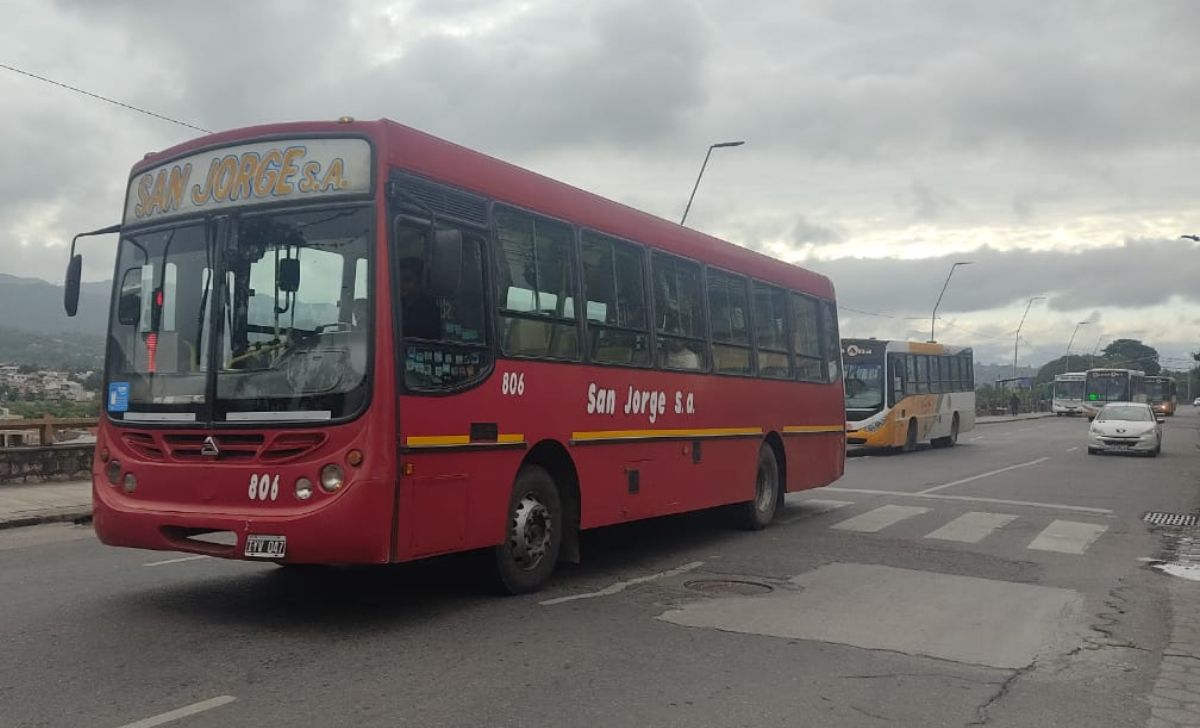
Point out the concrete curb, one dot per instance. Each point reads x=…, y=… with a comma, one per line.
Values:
x=1018, y=418
x=49, y=515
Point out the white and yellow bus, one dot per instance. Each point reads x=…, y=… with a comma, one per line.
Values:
x=902, y=393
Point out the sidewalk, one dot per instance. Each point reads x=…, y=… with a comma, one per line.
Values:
x=28, y=505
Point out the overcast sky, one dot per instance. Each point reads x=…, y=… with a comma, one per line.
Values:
x=1054, y=144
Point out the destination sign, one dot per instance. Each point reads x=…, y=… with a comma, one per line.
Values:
x=250, y=174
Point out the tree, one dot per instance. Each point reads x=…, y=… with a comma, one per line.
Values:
x=1061, y=365
x=1132, y=354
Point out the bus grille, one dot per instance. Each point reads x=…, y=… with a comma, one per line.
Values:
x=240, y=446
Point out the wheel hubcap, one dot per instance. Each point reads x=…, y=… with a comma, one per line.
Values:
x=531, y=532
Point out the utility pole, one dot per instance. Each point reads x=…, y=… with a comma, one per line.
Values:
x=1017, y=338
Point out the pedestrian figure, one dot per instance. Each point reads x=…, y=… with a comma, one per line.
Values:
x=1014, y=404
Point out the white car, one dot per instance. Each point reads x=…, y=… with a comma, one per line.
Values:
x=1196, y=402
x=1125, y=427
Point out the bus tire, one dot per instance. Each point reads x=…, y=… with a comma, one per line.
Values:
x=533, y=533
x=950, y=440
x=757, y=514
x=910, y=436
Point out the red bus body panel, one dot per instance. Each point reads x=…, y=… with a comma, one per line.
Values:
x=441, y=494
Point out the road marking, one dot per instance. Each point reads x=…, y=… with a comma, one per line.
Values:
x=971, y=527
x=184, y=712
x=977, y=437
x=1067, y=537
x=814, y=507
x=176, y=561
x=1072, y=449
x=988, y=474
x=974, y=499
x=879, y=519
x=621, y=586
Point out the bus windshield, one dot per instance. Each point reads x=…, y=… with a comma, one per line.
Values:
x=289, y=296
x=1155, y=390
x=864, y=384
x=1107, y=386
x=1068, y=389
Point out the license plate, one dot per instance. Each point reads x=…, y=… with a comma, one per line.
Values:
x=266, y=547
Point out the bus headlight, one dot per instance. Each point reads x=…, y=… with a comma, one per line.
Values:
x=332, y=477
x=304, y=489
x=113, y=472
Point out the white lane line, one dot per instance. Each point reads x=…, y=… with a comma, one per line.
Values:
x=1067, y=537
x=814, y=507
x=977, y=437
x=176, y=561
x=988, y=474
x=1072, y=449
x=621, y=586
x=971, y=527
x=974, y=499
x=879, y=518
x=184, y=712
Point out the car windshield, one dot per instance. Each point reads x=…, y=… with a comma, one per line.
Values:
x=290, y=295
x=1126, y=413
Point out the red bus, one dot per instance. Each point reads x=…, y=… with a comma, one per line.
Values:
x=352, y=342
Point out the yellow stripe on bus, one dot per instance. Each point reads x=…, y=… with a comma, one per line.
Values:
x=789, y=429
x=644, y=434
x=452, y=440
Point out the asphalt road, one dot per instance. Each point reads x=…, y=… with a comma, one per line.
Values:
x=1001, y=582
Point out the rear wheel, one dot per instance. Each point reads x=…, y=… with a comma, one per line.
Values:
x=1092, y=451
x=950, y=440
x=526, y=559
x=757, y=514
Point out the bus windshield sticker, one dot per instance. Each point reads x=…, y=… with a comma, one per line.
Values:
x=118, y=396
x=249, y=174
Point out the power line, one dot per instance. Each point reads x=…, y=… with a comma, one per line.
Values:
x=104, y=98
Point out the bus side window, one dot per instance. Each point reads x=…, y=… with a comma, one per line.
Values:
x=729, y=316
x=535, y=285
x=833, y=349
x=679, y=310
x=613, y=287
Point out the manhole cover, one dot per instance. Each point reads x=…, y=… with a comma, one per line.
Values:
x=1161, y=518
x=738, y=587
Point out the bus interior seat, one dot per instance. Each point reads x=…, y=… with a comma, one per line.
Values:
x=731, y=359
x=527, y=337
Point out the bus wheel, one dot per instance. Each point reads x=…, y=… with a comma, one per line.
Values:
x=950, y=440
x=757, y=514
x=524, y=562
x=910, y=437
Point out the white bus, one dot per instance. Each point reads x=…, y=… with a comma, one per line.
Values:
x=1102, y=386
x=1068, y=394
x=901, y=393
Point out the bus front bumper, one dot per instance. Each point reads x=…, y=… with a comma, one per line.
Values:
x=352, y=528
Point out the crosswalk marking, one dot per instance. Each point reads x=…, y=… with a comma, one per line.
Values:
x=971, y=527
x=1067, y=537
x=879, y=519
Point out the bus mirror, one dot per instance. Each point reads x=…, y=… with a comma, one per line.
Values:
x=446, y=272
x=289, y=275
x=71, y=284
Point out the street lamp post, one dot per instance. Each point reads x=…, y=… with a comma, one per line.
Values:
x=1096, y=348
x=933, y=317
x=719, y=145
x=1194, y=238
x=1067, y=364
x=1017, y=338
